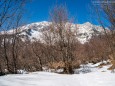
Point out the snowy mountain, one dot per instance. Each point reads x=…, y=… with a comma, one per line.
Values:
x=87, y=30
x=33, y=31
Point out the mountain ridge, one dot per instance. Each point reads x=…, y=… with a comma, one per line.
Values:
x=33, y=31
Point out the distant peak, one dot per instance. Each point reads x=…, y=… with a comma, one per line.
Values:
x=87, y=23
x=44, y=22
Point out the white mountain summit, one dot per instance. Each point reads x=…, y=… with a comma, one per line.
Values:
x=84, y=32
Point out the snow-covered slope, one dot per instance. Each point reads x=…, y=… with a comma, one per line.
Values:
x=87, y=30
x=33, y=31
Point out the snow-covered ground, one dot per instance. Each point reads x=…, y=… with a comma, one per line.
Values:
x=99, y=77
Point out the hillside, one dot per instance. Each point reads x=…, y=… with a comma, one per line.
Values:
x=34, y=31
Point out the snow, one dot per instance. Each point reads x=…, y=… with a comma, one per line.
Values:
x=84, y=31
x=52, y=79
x=94, y=78
x=35, y=35
x=87, y=30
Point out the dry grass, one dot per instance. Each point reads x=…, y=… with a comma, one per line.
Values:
x=76, y=64
x=56, y=65
x=113, y=65
x=103, y=64
x=61, y=64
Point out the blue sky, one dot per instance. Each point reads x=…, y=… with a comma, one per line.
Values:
x=38, y=10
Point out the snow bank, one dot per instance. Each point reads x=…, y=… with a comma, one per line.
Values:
x=97, y=77
x=52, y=79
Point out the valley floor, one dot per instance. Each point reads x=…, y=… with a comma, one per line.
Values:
x=99, y=77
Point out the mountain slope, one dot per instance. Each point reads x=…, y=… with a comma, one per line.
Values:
x=33, y=31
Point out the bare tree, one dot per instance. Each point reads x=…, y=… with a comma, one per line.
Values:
x=37, y=49
x=10, y=15
x=105, y=12
x=61, y=37
x=106, y=16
